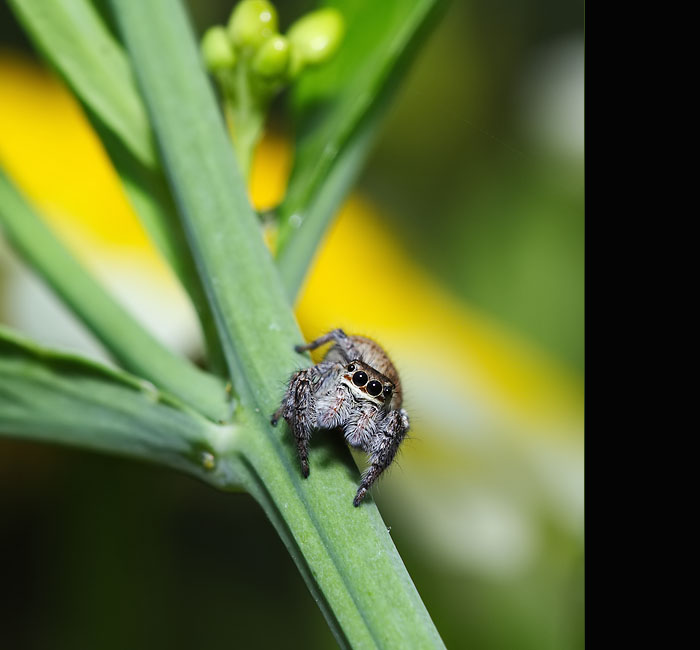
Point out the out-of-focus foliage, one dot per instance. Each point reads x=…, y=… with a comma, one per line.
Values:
x=462, y=252
x=485, y=144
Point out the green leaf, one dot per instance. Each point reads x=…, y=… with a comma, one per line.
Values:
x=294, y=259
x=62, y=398
x=76, y=41
x=122, y=335
x=345, y=554
x=338, y=107
x=73, y=36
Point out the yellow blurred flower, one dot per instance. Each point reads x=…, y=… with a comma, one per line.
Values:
x=497, y=427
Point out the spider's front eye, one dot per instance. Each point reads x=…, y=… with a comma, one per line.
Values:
x=374, y=388
x=359, y=378
x=351, y=367
x=388, y=391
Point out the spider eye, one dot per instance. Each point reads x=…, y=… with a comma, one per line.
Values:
x=374, y=388
x=360, y=378
x=351, y=367
x=388, y=390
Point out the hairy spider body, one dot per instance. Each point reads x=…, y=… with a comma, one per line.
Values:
x=356, y=389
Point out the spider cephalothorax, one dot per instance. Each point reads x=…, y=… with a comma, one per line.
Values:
x=355, y=388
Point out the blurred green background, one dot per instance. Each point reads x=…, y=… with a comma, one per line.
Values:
x=478, y=174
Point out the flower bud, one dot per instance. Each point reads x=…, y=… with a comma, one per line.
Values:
x=272, y=58
x=315, y=37
x=216, y=49
x=296, y=63
x=252, y=23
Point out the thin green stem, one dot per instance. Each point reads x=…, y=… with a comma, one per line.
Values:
x=74, y=37
x=150, y=197
x=235, y=267
x=129, y=343
x=246, y=117
x=338, y=108
x=80, y=46
x=296, y=254
x=62, y=398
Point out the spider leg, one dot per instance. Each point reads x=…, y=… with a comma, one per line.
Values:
x=339, y=337
x=383, y=449
x=299, y=411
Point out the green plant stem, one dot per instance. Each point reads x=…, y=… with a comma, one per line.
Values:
x=150, y=197
x=295, y=257
x=344, y=553
x=78, y=43
x=235, y=267
x=245, y=115
x=339, y=107
x=122, y=335
x=63, y=398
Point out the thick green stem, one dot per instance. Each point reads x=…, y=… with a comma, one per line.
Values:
x=62, y=398
x=345, y=553
x=235, y=267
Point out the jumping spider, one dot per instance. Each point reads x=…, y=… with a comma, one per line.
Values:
x=355, y=388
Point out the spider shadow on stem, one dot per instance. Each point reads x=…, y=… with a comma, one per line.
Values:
x=327, y=448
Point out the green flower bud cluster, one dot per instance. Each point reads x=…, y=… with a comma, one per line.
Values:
x=251, y=39
x=252, y=61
